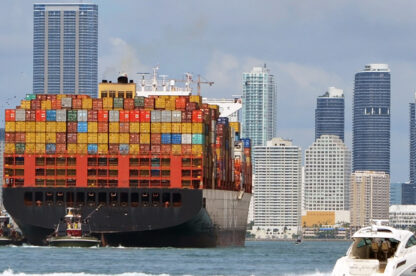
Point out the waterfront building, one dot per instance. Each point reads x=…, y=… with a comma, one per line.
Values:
x=402, y=216
x=329, y=113
x=396, y=193
x=410, y=196
x=259, y=106
x=369, y=196
x=327, y=174
x=371, y=119
x=65, y=49
x=277, y=186
x=408, y=193
x=230, y=108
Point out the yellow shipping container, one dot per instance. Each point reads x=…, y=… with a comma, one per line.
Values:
x=197, y=128
x=30, y=147
x=114, y=138
x=235, y=126
x=92, y=127
x=20, y=127
x=86, y=103
x=144, y=127
x=30, y=137
x=156, y=127
x=92, y=138
x=186, y=128
x=134, y=149
x=60, y=96
x=50, y=126
x=114, y=127
x=134, y=127
x=71, y=148
x=82, y=138
x=30, y=126
x=46, y=105
x=82, y=148
x=60, y=126
x=102, y=148
x=213, y=106
x=40, y=148
x=103, y=138
x=144, y=138
x=124, y=138
x=25, y=104
x=40, y=137
x=10, y=126
x=107, y=103
x=9, y=148
x=160, y=103
x=40, y=126
x=51, y=138
x=176, y=149
x=166, y=128
x=195, y=99
x=197, y=149
x=176, y=128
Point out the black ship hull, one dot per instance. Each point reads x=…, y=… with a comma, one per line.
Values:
x=143, y=217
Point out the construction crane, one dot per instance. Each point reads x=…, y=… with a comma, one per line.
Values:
x=199, y=82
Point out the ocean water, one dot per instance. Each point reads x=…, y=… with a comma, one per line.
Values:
x=256, y=258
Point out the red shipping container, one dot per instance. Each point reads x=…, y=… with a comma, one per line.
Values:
x=61, y=137
x=71, y=138
x=135, y=116
x=10, y=115
x=113, y=148
x=188, y=116
x=97, y=104
x=92, y=115
x=41, y=97
x=20, y=137
x=247, y=151
x=180, y=103
x=102, y=127
x=72, y=127
x=56, y=104
x=10, y=137
x=165, y=149
x=76, y=103
x=30, y=116
x=204, y=106
x=124, y=127
x=155, y=149
x=186, y=149
x=149, y=103
x=50, y=97
x=103, y=115
x=144, y=148
x=197, y=116
x=40, y=115
x=134, y=138
x=191, y=106
x=128, y=104
x=155, y=138
x=35, y=104
x=60, y=148
x=124, y=116
x=144, y=116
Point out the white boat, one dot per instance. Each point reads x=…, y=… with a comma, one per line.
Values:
x=379, y=250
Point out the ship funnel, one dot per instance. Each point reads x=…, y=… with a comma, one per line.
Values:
x=123, y=78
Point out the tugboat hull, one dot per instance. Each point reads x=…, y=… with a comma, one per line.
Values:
x=73, y=242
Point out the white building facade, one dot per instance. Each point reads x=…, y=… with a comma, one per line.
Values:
x=277, y=188
x=230, y=108
x=402, y=216
x=327, y=175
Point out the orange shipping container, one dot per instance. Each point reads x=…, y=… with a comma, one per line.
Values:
x=125, y=127
x=60, y=148
x=186, y=149
x=134, y=138
x=20, y=137
x=10, y=115
x=102, y=127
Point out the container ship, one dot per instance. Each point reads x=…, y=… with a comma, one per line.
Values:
x=153, y=167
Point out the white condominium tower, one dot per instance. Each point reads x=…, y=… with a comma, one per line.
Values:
x=327, y=175
x=277, y=195
x=259, y=106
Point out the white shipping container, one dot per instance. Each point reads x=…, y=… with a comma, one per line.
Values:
x=186, y=139
x=82, y=115
x=61, y=115
x=113, y=116
x=155, y=116
x=20, y=115
x=176, y=116
x=166, y=116
x=66, y=102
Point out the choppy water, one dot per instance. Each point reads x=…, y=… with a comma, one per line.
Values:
x=257, y=258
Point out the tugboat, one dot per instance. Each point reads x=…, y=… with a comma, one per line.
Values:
x=72, y=231
x=8, y=235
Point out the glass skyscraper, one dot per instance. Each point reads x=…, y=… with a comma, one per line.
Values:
x=65, y=46
x=410, y=197
x=329, y=114
x=371, y=119
x=259, y=106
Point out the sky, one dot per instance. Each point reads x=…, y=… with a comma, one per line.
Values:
x=307, y=45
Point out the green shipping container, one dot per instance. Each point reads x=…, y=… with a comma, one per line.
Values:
x=72, y=115
x=20, y=148
x=198, y=139
x=139, y=101
x=30, y=97
x=118, y=103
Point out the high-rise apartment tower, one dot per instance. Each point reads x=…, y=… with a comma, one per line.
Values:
x=65, y=46
x=329, y=114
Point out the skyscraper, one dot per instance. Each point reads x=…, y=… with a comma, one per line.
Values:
x=259, y=106
x=327, y=175
x=65, y=46
x=329, y=113
x=371, y=119
x=410, y=197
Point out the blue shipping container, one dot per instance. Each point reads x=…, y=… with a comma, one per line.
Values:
x=222, y=120
x=198, y=139
x=246, y=142
x=50, y=148
x=92, y=148
x=51, y=115
x=124, y=148
x=166, y=138
x=176, y=139
x=82, y=127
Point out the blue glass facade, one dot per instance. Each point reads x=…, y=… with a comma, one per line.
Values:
x=412, y=145
x=396, y=193
x=371, y=119
x=65, y=49
x=329, y=116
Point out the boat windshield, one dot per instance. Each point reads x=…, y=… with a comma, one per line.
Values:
x=374, y=248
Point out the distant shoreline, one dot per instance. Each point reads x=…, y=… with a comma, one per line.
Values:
x=304, y=240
